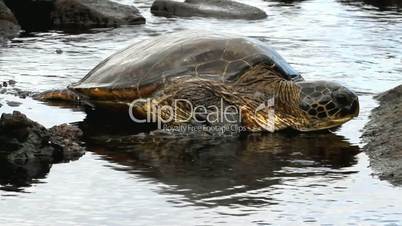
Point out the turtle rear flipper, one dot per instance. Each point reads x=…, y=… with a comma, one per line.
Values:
x=57, y=95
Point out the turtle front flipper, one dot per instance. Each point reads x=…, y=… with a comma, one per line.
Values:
x=194, y=107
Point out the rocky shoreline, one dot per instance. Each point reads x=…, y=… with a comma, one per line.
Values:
x=40, y=15
x=384, y=138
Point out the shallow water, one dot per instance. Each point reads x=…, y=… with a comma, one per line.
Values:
x=265, y=179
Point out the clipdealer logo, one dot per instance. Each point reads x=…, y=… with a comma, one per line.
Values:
x=213, y=115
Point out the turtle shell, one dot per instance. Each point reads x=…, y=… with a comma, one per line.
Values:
x=141, y=68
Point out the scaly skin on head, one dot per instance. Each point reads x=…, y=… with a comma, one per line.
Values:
x=327, y=104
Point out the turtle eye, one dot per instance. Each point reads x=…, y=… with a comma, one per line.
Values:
x=341, y=96
x=341, y=99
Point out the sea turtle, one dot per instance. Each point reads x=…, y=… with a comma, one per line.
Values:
x=210, y=69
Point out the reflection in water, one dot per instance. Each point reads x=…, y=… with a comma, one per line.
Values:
x=14, y=177
x=221, y=170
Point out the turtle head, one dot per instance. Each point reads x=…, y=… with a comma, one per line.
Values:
x=326, y=105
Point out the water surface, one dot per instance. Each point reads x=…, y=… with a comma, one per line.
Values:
x=259, y=179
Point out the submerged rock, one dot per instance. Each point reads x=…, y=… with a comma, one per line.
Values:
x=23, y=140
x=9, y=27
x=8, y=87
x=12, y=82
x=225, y=9
x=13, y=103
x=36, y=15
x=384, y=138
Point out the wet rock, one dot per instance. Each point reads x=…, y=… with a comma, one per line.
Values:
x=59, y=51
x=23, y=140
x=8, y=88
x=225, y=9
x=22, y=94
x=93, y=13
x=13, y=103
x=34, y=15
x=66, y=137
x=27, y=150
x=18, y=92
x=12, y=82
x=9, y=27
x=384, y=138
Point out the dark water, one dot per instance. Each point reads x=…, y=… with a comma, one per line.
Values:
x=277, y=179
